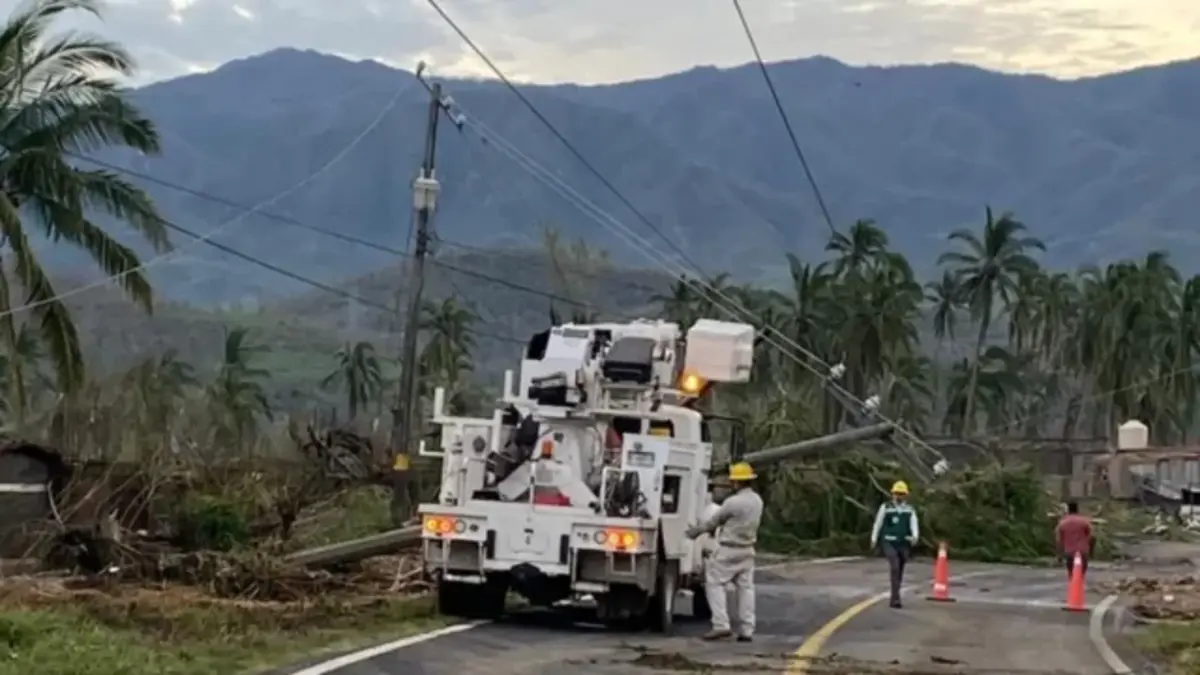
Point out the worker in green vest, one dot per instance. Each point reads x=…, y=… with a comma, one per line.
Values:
x=897, y=531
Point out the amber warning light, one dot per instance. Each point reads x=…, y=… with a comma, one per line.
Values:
x=691, y=383
x=444, y=525
x=618, y=539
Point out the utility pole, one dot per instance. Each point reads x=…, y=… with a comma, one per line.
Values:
x=405, y=434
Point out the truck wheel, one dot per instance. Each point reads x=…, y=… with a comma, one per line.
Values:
x=662, y=607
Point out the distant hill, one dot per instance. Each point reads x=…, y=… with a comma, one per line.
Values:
x=303, y=332
x=1098, y=167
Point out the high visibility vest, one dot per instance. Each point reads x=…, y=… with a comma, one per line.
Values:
x=897, y=522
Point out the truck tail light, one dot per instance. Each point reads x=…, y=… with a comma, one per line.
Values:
x=547, y=449
x=443, y=525
x=618, y=539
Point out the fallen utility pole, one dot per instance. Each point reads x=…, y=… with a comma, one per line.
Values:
x=796, y=450
x=384, y=543
x=425, y=192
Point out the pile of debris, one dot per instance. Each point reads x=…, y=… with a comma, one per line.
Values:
x=1157, y=599
x=116, y=529
x=247, y=578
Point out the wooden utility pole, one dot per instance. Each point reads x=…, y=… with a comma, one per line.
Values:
x=405, y=434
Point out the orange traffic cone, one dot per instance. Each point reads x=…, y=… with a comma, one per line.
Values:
x=941, y=576
x=1075, y=593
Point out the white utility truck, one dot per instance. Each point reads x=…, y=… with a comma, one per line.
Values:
x=585, y=478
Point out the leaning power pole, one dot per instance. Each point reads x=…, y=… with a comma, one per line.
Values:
x=407, y=417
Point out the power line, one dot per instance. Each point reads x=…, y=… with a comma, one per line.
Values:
x=333, y=290
x=762, y=67
x=705, y=288
x=288, y=220
x=558, y=134
x=829, y=378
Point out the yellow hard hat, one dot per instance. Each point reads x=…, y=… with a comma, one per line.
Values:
x=742, y=471
x=899, y=488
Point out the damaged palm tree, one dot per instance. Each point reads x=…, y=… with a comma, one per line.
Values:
x=60, y=99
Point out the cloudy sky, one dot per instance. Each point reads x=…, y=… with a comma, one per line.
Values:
x=612, y=40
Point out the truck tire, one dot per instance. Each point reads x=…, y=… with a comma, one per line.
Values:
x=472, y=601
x=661, y=612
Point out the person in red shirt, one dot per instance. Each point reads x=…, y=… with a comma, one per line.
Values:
x=1074, y=536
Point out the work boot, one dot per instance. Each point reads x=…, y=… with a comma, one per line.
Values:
x=718, y=634
x=745, y=638
x=895, y=604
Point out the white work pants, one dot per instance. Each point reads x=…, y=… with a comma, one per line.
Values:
x=731, y=566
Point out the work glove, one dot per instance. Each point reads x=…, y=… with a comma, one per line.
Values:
x=693, y=532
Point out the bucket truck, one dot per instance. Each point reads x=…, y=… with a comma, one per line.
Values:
x=586, y=476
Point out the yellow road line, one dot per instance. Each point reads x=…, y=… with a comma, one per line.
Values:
x=811, y=649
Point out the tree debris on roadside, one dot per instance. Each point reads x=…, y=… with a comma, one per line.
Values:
x=1171, y=599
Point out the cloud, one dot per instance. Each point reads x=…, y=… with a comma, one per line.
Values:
x=612, y=40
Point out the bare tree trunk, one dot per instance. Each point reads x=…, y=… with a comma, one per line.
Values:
x=968, y=421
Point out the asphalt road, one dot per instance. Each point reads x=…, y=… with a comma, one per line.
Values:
x=1006, y=619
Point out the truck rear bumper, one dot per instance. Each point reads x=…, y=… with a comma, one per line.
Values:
x=472, y=559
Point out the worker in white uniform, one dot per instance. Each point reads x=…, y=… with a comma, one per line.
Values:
x=738, y=519
x=719, y=491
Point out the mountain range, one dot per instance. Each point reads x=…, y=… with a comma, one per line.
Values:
x=1099, y=168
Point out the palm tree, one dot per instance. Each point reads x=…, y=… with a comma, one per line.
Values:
x=59, y=97
x=863, y=246
x=945, y=299
x=156, y=390
x=237, y=394
x=359, y=373
x=20, y=368
x=446, y=358
x=987, y=271
x=680, y=303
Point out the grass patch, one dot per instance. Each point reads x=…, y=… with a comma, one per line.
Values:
x=1175, y=645
x=181, y=631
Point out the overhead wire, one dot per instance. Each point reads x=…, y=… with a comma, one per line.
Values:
x=783, y=116
x=766, y=75
x=333, y=290
x=609, y=221
x=601, y=216
x=158, y=259
x=787, y=123
x=596, y=173
x=554, y=130
x=295, y=222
